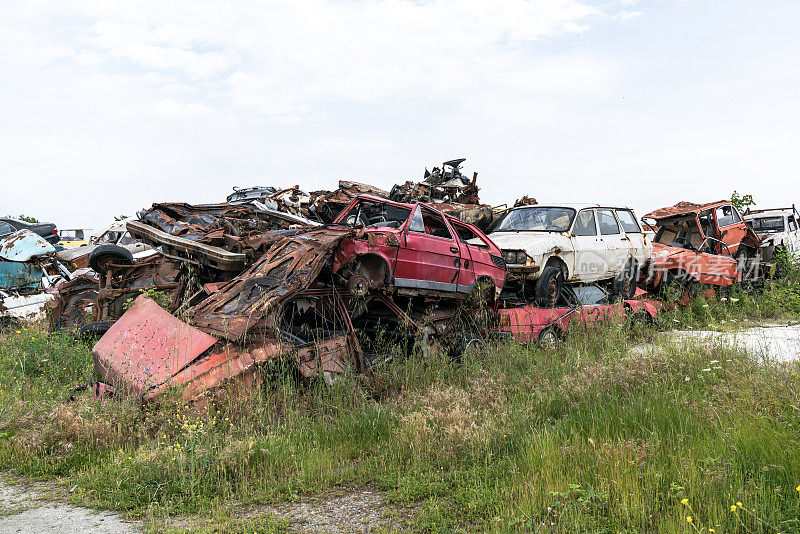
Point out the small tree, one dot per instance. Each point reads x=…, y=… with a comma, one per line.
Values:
x=27, y=219
x=742, y=202
x=120, y=217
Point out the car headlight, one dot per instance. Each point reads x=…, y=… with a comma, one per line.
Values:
x=515, y=257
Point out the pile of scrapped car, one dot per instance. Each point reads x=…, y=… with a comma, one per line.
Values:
x=200, y=296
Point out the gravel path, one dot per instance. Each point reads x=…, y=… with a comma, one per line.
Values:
x=342, y=511
x=28, y=511
x=37, y=509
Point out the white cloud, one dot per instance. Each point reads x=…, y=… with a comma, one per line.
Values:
x=181, y=100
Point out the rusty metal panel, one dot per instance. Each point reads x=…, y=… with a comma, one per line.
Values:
x=704, y=268
x=328, y=356
x=290, y=265
x=147, y=346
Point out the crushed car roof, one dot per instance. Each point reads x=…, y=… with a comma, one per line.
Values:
x=684, y=208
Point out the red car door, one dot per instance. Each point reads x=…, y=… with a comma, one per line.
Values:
x=731, y=227
x=429, y=257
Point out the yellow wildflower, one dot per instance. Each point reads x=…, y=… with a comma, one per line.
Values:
x=684, y=501
x=711, y=530
x=733, y=508
x=739, y=504
x=689, y=519
x=798, y=489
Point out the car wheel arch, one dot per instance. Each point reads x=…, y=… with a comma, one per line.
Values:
x=372, y=266
x=557, y=261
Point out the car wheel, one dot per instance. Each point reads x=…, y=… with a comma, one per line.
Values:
x=625, y=283
x=548, y=338
x=105, y=255
x=674, y=286
x=548, y=286
x=639, y=320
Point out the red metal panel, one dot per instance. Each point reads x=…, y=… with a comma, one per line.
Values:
x=147, y=346
x=226, y=362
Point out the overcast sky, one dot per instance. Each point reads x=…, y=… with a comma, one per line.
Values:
x=108, y=107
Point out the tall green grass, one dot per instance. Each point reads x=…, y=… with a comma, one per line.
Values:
x=608, y=433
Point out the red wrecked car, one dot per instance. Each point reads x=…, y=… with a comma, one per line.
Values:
x=716, y=228
x=588, y=306
x=413, y=249
x=705, y=243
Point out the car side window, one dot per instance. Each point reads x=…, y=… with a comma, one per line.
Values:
x=6, y=228
x=434, y=225
x=468, y=237
x=109, y=237
x=792, y=224
x=726, y=216
x=608, y=223
x=417, y=224
x=584, y=223
x=126, y=239
x=628, y=221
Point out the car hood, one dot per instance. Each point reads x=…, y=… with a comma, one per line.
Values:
x=533, y=243
x=69, y=254
x=23, y=245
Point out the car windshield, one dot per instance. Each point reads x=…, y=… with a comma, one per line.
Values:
x=538, y=218
x=371, y=213
x=767, y=224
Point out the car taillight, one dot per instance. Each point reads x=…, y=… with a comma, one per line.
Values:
x=505, y=321
x=55, y=230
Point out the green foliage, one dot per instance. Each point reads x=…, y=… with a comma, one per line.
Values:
x=742, y=202
x=24, y=218
x=161, y=298
x=120, y=217
x=599, y=435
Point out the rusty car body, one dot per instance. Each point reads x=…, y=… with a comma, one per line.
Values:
x=413, y=249
x=222, y=237
x=716, y=228
x=683, y=266
x=700, y=243
x=114, y=234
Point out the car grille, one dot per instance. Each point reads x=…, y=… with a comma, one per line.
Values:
x=498, y=261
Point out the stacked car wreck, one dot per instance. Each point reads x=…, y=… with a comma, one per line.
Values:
x=202, y=296
x=378, y=262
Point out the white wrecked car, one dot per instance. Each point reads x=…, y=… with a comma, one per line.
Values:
x=778, y=230
x=114, y=239
x=546, y=246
